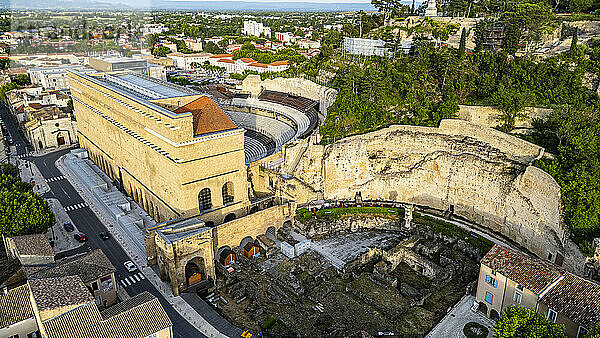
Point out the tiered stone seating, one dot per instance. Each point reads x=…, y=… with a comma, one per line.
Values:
x=278, y=131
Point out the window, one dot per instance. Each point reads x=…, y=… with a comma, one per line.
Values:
x=491, y=281
x=550, y=256
x=520, y=287
x=582, y=332
x=227, y=193
x=14, y=336
x=489, y=297
x=551, y=316
x=95, y=286
x=204, y=199
x=517, y=297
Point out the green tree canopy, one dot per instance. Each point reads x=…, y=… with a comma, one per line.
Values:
x=517, y=322
x=161, y=51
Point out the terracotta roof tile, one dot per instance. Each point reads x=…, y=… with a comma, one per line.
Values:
x=15, y=305
x=258, y=64
x=577, y=298
x=208, y=117
x=51, y=293
x=89, y=266
x=279, y=63
x=226, y=61
x=33, y=245
x=533, y=274
x=221, y=56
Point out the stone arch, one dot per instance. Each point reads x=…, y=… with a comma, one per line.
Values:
x=151, y=211
x=494, y=314
x=227, y=193
x=271, y=233
x=156, y=214
x=204, y=199
x=287, y=224
x=230, y=217
x=195, y=271
x=254, y=209
x=40, y=145
x=482, y=308
x=245, y=241
x=226, y=256
x=209, y=224
x=60, y=139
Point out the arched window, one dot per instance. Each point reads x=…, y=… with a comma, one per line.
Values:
x=204, y=199
x=227, y=193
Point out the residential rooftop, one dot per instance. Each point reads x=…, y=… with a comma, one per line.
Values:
x=33, y=245
x=15, y=305
x=89, y=266
x=52, y=293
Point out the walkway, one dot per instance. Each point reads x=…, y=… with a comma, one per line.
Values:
x=452, y=324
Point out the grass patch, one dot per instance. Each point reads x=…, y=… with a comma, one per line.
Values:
x=304, y=215
x=450, y=229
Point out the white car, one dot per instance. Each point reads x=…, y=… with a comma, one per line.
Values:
x=130, y=266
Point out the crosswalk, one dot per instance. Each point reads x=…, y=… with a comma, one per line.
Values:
x=54, y=179
x=75, y=206
x=128, y=281
x=21, y=155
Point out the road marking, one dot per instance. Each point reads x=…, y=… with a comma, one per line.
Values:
x=75, y=206
x=123, y=282
x=54, y=179
x=141, y=275
x=137, y=279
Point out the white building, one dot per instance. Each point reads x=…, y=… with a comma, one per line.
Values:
x=308, y=44
x=157, y=71
x=184, y=61
x=256, y=29
x=194, y=45
x=431, y=10
x=284, y=36
x=367, y=47
x=54, y=77
x=153, y=28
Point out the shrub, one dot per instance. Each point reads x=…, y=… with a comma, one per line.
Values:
x=475, y=330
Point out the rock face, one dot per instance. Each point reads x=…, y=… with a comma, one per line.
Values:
x=477, y=173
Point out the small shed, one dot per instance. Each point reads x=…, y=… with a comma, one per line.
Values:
x=251, y=250
x=227, y=257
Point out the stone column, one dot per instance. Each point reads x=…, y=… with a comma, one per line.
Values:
x=408, y=216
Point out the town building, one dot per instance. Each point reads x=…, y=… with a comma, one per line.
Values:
x=195, y=45
x=256, y=29
x=284, y=36
x=508, y=277
x=157, y=71
x=153, y=28
x=110, y=64
x=49, y=127
x=366, y=47
x=185, y=61
x=431, y=10
x=17, y=318
x=308, y=44
x=95, y=270
x=30, y=249
x=54, y=77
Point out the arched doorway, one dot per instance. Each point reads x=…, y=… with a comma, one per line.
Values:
x=482, y=308
x=229, y=218
x=271, y=233
x=40, y=145
x=226, y=256
x=227, y=193
x=287, y=224
x=194, y=271
x=209, y=224
x=60, y=139
x=494, y=314
x=204, y=200
x=253, y=209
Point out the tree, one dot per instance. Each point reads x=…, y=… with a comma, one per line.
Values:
x=387, y=7
x=161, y=51
x=9, y=169
x=573, y=49
x=23, y=213
x=517, y=321
x=510, y=101
x=211, y=47
x=594, y=332
x=22, y=79
x=462, y=48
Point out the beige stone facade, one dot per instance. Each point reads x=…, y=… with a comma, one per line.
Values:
x=156, y=154
x=50, y=129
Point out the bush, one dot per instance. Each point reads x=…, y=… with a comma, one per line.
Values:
x=475, y=330
x=269, y=323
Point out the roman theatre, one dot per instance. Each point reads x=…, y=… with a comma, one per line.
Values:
x=219, y=171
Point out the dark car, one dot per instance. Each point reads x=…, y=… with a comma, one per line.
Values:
x=80, y=237
x=69, y=227
x=104, y=235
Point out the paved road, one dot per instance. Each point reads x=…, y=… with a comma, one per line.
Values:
x=87, y=222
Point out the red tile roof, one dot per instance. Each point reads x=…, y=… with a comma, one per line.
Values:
x=279, y=63
x=208, y=117
x=257, y=64
x=220, y=56
x=247, y=60
x=577, y=298
x=226, y=61
x=533, y=274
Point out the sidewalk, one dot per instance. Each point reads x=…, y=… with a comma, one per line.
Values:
x=454, y=321
x=137, y=256
x=30, y=173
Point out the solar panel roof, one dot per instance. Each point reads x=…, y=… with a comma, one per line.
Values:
x=159, y=88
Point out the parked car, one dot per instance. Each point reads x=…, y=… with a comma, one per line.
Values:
x=130, y=266
x=80, y=237
x=68, y=226
x=104, y=235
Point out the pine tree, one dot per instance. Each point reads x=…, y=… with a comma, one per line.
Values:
x=574, y=42
x=463, y=44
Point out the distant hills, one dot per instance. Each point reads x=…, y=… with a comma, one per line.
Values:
x=183, y=5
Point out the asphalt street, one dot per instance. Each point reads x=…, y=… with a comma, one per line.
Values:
x=87, y=222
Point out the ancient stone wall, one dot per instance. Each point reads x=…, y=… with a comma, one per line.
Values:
x=349, y=224
x=487, y=116
x=478, y=173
